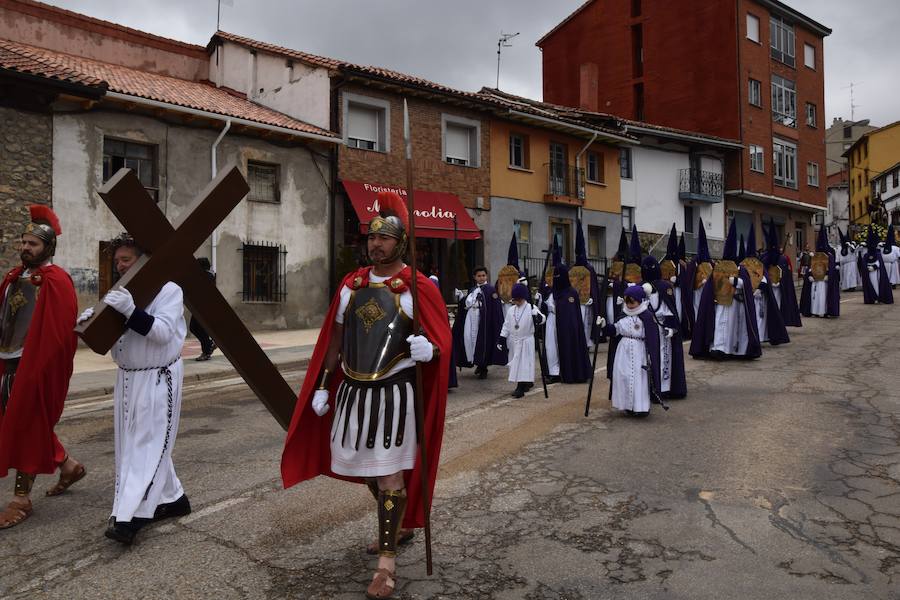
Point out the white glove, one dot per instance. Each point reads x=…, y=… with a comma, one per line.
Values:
x=536, y=312
x=538, y=298
x=739, y=284
x=871, y=269
x=87, y=314
x=121, y=300
x=601, y=322
x=420, y=349
x=459, y=294
x=673, y=279
x=825, y=278
x=702, y=283
x=810, y=279
x=320, y=402
x=589, y=302
x=669, y=332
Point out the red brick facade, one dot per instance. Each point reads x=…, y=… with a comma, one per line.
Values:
x=430, y=171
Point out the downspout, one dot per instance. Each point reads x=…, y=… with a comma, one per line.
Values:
x=215, y=172
x=578, y=168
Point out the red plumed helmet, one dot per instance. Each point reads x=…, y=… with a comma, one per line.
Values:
x=391, y=204
x=41, y=213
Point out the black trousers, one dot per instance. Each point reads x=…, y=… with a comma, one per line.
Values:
x=196, y=328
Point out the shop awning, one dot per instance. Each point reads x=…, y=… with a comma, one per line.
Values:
x=435, y=211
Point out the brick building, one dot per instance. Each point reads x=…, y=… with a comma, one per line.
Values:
x=748, y=70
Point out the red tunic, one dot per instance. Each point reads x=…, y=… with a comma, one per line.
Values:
x=307, y=451
x=27, y=441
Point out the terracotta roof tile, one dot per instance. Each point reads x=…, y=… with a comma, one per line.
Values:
x=151, y=86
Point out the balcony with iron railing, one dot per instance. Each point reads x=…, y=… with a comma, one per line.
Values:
x=565, y=185
x=704, y=186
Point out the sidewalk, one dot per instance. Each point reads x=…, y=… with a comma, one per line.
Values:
x=95, y=375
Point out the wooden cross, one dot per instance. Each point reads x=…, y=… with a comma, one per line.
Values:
x=170, y=257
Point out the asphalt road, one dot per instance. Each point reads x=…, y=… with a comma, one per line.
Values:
x=777, y=478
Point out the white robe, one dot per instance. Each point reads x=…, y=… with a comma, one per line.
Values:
x=818, y=298
x=145, y=416
x=550, y=346
x=849, y=271
x=474, y=302
x=892, y=265
x=630, y=386
x=731, y=327
x=587, y=318
x=762, y=319
x=518, y=329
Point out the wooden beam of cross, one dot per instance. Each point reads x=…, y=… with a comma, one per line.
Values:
x=171, y=258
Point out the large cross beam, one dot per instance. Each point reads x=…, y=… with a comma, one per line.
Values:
x=171, y=258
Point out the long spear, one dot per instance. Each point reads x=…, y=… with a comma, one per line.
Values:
x=420, y=400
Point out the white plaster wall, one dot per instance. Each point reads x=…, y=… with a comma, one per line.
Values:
x=653, y=192
x=303, y=93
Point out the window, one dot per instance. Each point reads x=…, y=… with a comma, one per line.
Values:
x=518, y=151
x=263, y=181
x=882, y=185
x=635, y=8
x=264, y=272
x=781, y=40
x=627, y=217
x=784, y=159
x=596, y=242
x=595, y=167
x=140, y=158
x=809, y=56
x=753, y=28
x=755, y=91
x=784, y=101
x=812, y=174
x=625, y=163
x=810, y=114
x=756, y=159
x=461, y=139
x=895, y=178
x=367, y=123
x=689, y=219
x=798, y=239
x=848, y=132
x=523, y=237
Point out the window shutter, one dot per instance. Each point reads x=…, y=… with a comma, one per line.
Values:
x=362, y=123
x=458, y=142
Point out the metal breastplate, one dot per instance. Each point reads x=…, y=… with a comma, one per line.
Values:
x=15, y=313
x=375, y=332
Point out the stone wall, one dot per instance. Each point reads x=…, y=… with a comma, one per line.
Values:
x=26, y=141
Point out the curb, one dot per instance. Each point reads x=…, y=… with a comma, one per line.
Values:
x=225, y=373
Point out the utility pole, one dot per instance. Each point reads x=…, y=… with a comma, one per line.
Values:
x=503, y=42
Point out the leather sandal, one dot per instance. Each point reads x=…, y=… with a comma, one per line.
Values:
x=382, y=585
x=404, y=537
x=14, y=514
x=66, y=481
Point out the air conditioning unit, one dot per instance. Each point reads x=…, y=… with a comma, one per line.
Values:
x=819, y=218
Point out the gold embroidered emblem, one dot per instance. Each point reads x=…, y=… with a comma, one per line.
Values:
x=370, y=313
x=376, y=225
x=670, y=292
x=495, y=296
x=357, y=281
x=389, y=504
x=16, y=302
x=571, y=299
x=396, y=282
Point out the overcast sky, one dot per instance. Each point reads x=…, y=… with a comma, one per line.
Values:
x=455, y=43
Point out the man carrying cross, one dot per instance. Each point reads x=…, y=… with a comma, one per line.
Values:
x=363, y=368
x=146, y=402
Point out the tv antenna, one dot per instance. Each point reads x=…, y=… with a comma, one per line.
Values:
x=503, y=42
x=853, y=106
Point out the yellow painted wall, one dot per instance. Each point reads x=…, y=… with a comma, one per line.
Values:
x=531, y=184
x=875, y=152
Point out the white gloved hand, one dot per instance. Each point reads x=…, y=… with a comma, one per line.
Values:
x=601, y=322
x=538, y=298
x=589, y=302
x=121, y=300
x=871, y=268
x=87, y=314
x=825, y=278
x=739, y=284
x=669, y=332
x=536, y=312
x=810, y=279
x=320, y=402
x=673, y=279
x=420, y=349
x=459, y=294
x=702, y=283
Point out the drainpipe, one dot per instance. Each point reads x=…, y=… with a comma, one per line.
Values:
x=578, y=167
x=215, y=172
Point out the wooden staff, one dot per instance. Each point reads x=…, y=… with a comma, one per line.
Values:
x=419, y=400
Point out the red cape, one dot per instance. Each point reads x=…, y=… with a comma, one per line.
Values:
x=307, y=450
x=27, y=441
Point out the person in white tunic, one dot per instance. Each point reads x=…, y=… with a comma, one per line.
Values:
x=890, y=254
x=146, y=403
x=847, y=258
x=517, y=334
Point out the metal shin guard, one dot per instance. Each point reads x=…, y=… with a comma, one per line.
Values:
x=24, y=481
x=391, y=508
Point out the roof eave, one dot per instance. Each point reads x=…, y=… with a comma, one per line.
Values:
x=685, y=137
x=70, y=87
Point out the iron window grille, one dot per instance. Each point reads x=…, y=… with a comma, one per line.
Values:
x=140, y=158
x=264, y=182
x=264, y=272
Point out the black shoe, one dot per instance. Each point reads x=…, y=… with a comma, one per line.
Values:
x=212, y=346
x=519, y=391
x=482, y=374
x=122, y=531
x=202, y=357
x=554, y=379
x=179, y=508
x=528, y=385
